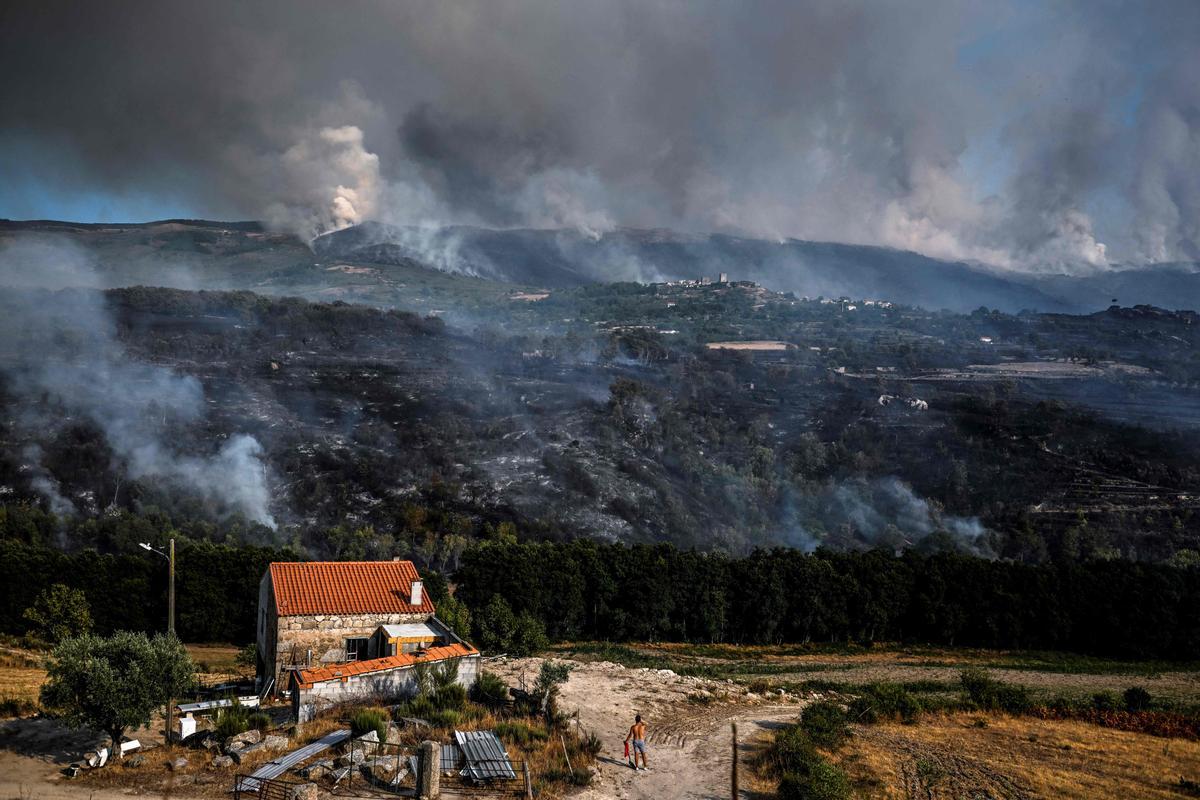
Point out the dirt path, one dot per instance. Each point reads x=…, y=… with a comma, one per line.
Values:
x=689, y=741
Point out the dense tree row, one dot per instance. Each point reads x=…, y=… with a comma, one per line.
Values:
x=216, y=588
x=584, y=590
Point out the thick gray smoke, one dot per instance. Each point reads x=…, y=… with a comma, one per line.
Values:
x=1023, y=135
x=61, y=358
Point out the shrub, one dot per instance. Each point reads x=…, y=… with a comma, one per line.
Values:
x=519, y=733
x=825, y=724
x=1136, y=699
x=1105, y=701
x=452, y=697
x=445, y=718
x=990, y=694
x=259, y=720
x=490, y=690
x=886, y=701
x=760, y=686
x=821, y=781
x=789, y=752
x=367, y=720
x=231, y=721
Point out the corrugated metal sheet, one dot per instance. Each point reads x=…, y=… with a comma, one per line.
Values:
x=485, y=755
x=273, y=769
x=250, y=701
x=452, y=757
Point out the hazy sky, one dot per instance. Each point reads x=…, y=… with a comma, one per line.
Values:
x=1030, y=135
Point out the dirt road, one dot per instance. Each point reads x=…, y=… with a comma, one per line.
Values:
x=688, y=720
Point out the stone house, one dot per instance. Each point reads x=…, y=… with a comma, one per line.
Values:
x=313, y=615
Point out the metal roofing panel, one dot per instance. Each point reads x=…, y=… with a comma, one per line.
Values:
x=485, y=754
x=273, y=769
x=452, y=757
x=414, y=630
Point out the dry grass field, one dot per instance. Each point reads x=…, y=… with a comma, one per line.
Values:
x=955, y=755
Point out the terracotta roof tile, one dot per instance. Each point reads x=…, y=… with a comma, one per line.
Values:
x=307, y=677
x=346, y=587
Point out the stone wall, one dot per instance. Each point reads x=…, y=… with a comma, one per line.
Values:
x=389, y=685
x=326, y=634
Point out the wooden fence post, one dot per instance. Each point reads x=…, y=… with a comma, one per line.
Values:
x=528, y=780
x=734, y=776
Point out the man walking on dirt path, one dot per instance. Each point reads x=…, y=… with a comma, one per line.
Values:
x=637, y=733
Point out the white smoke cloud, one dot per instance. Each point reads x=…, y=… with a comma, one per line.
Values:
x=61, y=358
x=327, y=181
x=877, y=512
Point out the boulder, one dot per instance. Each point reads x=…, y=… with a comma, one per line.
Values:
x=177, y=764
x=355, y=756
x=239, y=756
x=135, y=761
x=222, y=762
x=273, y=742
x=314, y=771
x=252, y=736
x=305, y=791
x=393, y=733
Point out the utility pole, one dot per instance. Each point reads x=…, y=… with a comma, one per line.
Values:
x=171, y=590
x=734, y=772
x=170, y=557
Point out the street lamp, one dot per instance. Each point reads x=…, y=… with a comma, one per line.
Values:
x=170, y=557
x=170, y=582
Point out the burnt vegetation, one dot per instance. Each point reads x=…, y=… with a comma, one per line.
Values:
x=953, y=490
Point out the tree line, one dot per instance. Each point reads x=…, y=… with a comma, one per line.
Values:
x=588, y=590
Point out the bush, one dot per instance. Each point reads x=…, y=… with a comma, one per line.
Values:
x=445, y=718
x=825, y=724
x=421, y=707
x=885, y=701
x=521, y=734
x=367, y=720
x=231, y=721
x=1136, y=699
x=452, y=697
x=490, y=690
x=821, y=781
x=990, y=694
x=1105, y=701
x=259, y=720
x=790, y=751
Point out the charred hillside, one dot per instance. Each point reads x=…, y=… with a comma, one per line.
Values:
x=710, y=416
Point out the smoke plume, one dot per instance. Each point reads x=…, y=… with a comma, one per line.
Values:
x=61, y=359
x=1037, y=136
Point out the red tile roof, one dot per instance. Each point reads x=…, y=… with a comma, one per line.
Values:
x=307, y=677
x=346, y=587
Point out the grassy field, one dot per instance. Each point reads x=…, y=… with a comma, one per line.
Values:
x=925, y=668
x=969, y=754
x=22, y=673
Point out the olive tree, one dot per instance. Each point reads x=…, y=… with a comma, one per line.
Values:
x=59, y=611
x=114, y=683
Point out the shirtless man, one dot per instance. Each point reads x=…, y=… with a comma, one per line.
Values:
x=637, y=734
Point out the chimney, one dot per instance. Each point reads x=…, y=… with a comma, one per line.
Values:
x=417, y=593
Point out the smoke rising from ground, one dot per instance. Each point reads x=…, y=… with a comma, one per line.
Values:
x=880, y=512
x=1023, y=135
x=61, y=359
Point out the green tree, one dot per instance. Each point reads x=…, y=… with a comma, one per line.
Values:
x=59, y=611
x=114, y=683
x=455, y=613
x=494, y=625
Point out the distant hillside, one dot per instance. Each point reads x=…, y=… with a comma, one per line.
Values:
x=561, y=259
x=241, y=255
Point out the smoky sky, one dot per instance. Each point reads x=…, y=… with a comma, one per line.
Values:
x=1029, y=135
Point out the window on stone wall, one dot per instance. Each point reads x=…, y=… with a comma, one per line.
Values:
x=356, y=649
